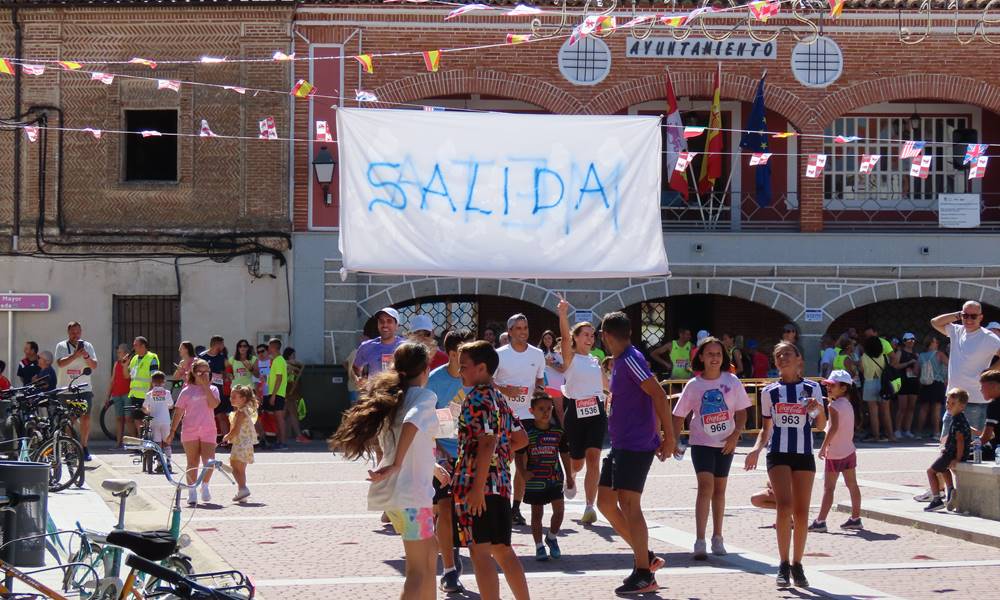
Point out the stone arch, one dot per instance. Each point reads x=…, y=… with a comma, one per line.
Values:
x=902, y=290
x=931, y=86
x=776, y=299
x=479, y=81
x=422, y=287
x=738, y=87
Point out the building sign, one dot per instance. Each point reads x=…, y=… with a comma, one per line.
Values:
x=731, y=49
x=958, y=211
x=814, y=315
x=25, y=302
x=585, y=316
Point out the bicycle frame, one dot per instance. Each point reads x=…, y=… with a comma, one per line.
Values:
x=13, y=573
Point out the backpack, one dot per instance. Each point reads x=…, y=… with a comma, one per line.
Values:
x=927, y=373
x=888, y=386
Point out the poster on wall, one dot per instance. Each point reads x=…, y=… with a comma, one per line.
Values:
x=500, y=195
x=959, y=211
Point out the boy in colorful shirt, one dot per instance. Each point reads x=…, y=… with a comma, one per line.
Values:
x=547, y=446
x=488, y=436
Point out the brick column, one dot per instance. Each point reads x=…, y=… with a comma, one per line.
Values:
x=810, y=190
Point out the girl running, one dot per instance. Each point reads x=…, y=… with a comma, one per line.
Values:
x=790, y=407
x=717, y=403
x=242, y=437
x=396, y=413
x=838, y=451
x=585, y=416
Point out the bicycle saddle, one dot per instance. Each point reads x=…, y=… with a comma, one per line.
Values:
x=119, y=486
x=151, y=545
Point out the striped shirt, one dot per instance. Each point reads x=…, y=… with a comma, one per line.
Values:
x=785, y=405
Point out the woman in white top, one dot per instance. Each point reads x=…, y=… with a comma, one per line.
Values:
x=396, y=413
x=582, y=407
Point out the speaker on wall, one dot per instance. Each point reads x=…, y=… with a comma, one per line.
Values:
x=960, y=138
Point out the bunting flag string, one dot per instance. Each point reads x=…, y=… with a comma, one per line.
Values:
x=973, y=151
x=168, y=84
x=69, y=65
x=912, y=149
x=137, y=61
x=31, y=132
x=693, y=132
x=268, y=130
x=33, y=69
x=683, y=160
x=978, y=170
x=432, y=60
x=868, y=162
x=150, y=133
x=366, y=62
x=814, y=168
x=6, y=67
x=921, y=166
x=517, y=38
x=759, y=158
x=105, y=78
x=206, y=131
x=323, y=132
x=95, y=132
x=302, y=89
x=845, y=140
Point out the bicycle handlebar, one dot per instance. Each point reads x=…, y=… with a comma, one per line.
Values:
x=184, y=587
x=136, y=444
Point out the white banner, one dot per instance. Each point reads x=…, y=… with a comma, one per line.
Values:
x=500, y=195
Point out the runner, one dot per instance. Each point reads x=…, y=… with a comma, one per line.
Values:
x=583, y=408
x=446, y=383
x=520, y=374
x=718, y=405
x=375, y=355
x=639, y=409
x=488, y=435
x=790, y=407
x=547, y=448
x=679, y=353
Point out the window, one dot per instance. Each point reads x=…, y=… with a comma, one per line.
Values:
x=654, y=324
x=817, y=64
x=156, y=318
x=152, y=158
x=587, y=62
x=446, y=314
x=889, y=185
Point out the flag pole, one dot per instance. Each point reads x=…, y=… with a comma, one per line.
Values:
x=725, y=192
x=697, y=193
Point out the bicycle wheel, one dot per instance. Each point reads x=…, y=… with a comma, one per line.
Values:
x=80, y=579
x=177, y=563
x=109, y=422
x=67, y=468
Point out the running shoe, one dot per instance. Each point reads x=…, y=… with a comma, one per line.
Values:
x=852, y=525
x=818, y=527
x=899, y=434
x=540, y=554
x=638, y=583
x=206, y=495
x=302, y=439
x=553, y=545
x=518, y=519
x=569, y=492
x=799, y=576
x=783, y=579
x=925, y=497
x=192, y=497
x=241, y=494
x=935, y=505
x=909, y=435
x=655, y=562
x=450, y=583
x=718, y=547
x=86, y=455
x=699, y=550
x=589, y=516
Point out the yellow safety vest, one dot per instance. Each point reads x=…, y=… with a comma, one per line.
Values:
x=680, y=357
x=140, y=374
x=839, y=360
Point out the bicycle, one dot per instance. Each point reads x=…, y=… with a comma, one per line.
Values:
x=189, y=587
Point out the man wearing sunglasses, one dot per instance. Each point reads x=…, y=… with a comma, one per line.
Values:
x=972, y=349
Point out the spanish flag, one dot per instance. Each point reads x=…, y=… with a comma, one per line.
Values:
x=366, y=62
x=517, y=38
x=5, y=67
x=432, y=60
x=302, y=89
x=69, y=65
x=711, y=162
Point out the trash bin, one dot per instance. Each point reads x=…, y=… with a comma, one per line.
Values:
x=324, y=388
x=30, y=517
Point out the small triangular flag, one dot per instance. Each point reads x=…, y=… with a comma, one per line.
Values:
x=70, y=65
x=279, y=55
x=366, y=62
x=206, y=131
x=105, y=78
x=142, y=61
x=518, y=38
x=432, y=60
x=33, y=69
x=5, y=67
x=32, y=132
x=150, y=133
x=168, y=84
x=95, y=132
x=302, y=89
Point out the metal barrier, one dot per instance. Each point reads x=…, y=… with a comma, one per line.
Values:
x=753, y=387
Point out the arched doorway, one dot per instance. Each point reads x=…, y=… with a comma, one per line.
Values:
x=893, y=318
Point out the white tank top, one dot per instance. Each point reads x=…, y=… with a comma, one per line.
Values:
x=583, y=378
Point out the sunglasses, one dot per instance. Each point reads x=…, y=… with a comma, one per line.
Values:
x=971, y=316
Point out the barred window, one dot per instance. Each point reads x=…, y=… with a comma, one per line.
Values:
x=445, y=314
x=654, y=323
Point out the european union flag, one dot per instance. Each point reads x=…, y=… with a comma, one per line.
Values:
x=755, y=140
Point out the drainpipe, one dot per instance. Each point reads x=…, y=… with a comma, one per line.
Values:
x=18, y=54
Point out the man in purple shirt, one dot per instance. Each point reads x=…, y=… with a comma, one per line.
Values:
x=640, y=427
x=375, y=355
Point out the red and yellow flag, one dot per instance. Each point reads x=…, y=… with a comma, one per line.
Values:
x=518, y=38
x=711, y=163
x=302, y=89
x=432, y=60
x=69, y=65
x=366, y=62
x=5, y=67
x=836, y=7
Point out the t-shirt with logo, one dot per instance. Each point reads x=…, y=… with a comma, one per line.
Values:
x=242, y=375
x=75, y=368
x=376, y=356
x=544, y=448
x=785, y=404
x=217, y=364
x=632, y=419
x=520, y=370
x=450, y=395
x=158, y=402
x=713, y=404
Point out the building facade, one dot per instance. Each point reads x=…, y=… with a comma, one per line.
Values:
x=828, y=253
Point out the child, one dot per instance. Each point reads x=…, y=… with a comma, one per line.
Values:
x=956, y=447
x=488, y=436
x=989, y=385
x=547, y=446
x=396, y=413
x=157, y=404
x=838, y=451
x=4, y=382
x=241, y=436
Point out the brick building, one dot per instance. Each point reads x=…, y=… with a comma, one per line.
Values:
x=171, y=237
x=828, y=253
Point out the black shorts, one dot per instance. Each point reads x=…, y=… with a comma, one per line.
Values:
x=443, y=492
x=134, y=408
x=941, y=464
x=586, y=433
x=225, y=406
x=797, y=462
x=931, y=394
x=543, y=494
x=266, y=406
x=494, y=525
x=707, y=459
x=910, y=386
x=626, y=469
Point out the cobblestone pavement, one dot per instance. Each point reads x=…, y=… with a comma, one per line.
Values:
x=306, y=534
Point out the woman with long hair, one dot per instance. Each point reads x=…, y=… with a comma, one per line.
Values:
x=906, y=361
x=396, y=413
x=932, y=389
x=196, y=406
x=187, y=354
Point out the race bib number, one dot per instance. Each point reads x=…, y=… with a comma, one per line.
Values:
x=242, y=372
x=447, y=427
x=159, y=394
x=217, y=378
x=718, y=425
x=788, y=415
x=681, y=364
x=74, y=372
x=587, y=407
x=386, y=362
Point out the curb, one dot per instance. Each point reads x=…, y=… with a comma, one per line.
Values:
x=956, y=532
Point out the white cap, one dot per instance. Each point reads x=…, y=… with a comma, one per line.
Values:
x=839, y=376
x=392, y=312
x=703, y=334
x=908, y=336
x=993, y=325
x=421, y=323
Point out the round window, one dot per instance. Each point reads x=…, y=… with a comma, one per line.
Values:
x=818, y=64
x=586, y=62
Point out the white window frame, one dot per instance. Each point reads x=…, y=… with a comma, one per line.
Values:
x=890, y=153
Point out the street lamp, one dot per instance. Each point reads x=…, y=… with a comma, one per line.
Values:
x=323, y=166
x=914, y=120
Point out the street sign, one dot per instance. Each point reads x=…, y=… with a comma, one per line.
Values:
x=25, y=302
x=814, y=315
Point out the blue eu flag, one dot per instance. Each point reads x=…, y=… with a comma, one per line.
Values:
x=755, y=140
